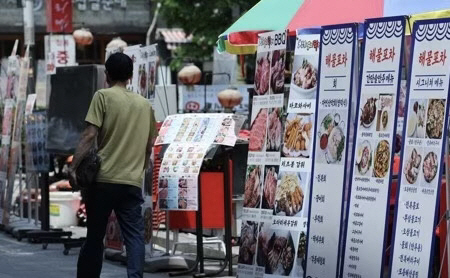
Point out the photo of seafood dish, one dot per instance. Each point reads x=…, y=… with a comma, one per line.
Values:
x=163, y=183
x=253, y=183
x=435, y=118
x=304, y=79
x=273, y=142
x=277, y=72
x=262, y=74
x=430, y=166
x=276, y=251
x=258, y=131
x=416, y=119
x=182, y=183
x=182, y=203
x=297, y=135
x=142, y=77
x=386, y=103
x=412, y=166
x=332, y=138
x=382, y=159
x=247, y=250
x=182, y=192
x=289, y=195
x=368, y=112
x=163, y=192
x=364, y=157
x=301, y=254
x=270, y=187
x=151, y=80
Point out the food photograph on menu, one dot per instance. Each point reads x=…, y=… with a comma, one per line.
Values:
x=276, y=250
x=151, y=80
x=384, y=113
x=435, y=118
x=262, y=73
x=364, y=157
x=297, y=137
x=258, y=130
x=416, y=119
x=430, y=166
x=270, y=186
x=382, y=159
x=368, y=111
x=253, y=186
x=304, y=78
x=300, y=261
x=142, y=78
x=290, y=195
x=331, y=137
x=247, y=250
x=277, y=72
x=274, y=130
x=412, y=164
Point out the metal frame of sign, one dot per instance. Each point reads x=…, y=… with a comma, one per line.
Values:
x=354, y=28
x=444, y=137
x=366, y=23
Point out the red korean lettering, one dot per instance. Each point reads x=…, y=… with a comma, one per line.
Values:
x=422, y=56
x=372, y=54
x=443, y=56
x=379, y=54
x=328, y=60
x=333, y=60
x=429, y=57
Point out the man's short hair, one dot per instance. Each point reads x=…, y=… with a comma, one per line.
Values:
x=119, y=67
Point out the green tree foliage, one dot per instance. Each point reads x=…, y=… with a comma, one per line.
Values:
x=205, y=19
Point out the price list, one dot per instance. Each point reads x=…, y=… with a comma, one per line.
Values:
x=330, y=150
x=374, y=147
x=420, y=176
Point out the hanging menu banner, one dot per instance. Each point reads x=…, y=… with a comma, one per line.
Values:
x=330, y=150
x=274, y=198
x=373, y=150
x=423, y=150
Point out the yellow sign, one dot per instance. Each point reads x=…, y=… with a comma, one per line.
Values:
x=54, y=210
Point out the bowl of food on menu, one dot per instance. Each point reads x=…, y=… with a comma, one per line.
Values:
x=289, y=195
x=435, y=118
x=304, y=80
x=368, y=112
x=430, y=166
x=331, y=137
x=382, y=159
x=297, y=135
x=364, y=157
x=412, y=166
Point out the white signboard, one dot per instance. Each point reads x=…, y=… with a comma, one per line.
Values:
x=59, y=52
x=135, y=53
x=374, y=148
x=423, y=148
x=331, y=148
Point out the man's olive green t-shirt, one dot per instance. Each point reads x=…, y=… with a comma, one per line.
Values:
x=125, y=121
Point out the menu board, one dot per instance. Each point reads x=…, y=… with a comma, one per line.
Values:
x=423, y=149
x=274, y=198
x=134, y=52
x=373, y=150
x=337, y=63
x=200, y=129
x=149, y=77
x=178, y=176
x=37, y=158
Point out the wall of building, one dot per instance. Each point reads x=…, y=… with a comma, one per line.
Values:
x=100, y=16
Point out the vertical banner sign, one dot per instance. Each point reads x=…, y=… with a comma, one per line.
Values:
x=337, y=51
x=7, y=123
x=59, y=52
x=152, y=70
x=423, y=150
x=298, y=139
x=273, y=200
x=134, y=52
x=373, y=150
x=16, y=136
x=59, y=16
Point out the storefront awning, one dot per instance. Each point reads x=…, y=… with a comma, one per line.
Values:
x=173, y=37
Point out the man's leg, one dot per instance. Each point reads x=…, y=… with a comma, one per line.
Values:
x=129, y=215
x=98, y=209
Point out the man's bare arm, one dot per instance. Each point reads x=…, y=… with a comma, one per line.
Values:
x=86, y=143
x=148, y=152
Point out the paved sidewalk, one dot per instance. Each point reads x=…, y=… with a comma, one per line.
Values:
x=23, y=260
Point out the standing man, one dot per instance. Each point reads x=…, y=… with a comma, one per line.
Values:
x=123, y=124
